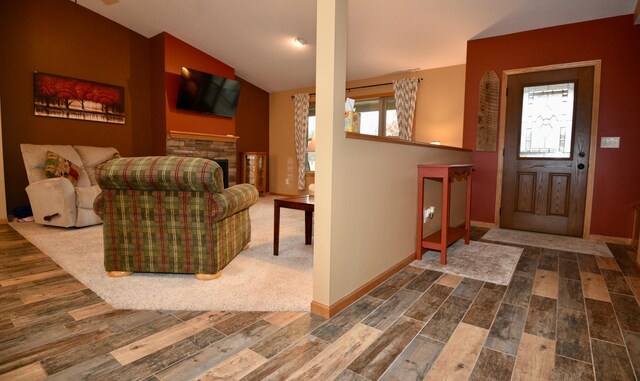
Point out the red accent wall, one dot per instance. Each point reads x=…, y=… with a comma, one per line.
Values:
x=176, y=55
x=615, y=41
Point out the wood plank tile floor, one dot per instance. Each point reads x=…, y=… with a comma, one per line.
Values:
x=564, y=316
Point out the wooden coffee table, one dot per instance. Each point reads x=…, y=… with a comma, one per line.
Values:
x=305, y=203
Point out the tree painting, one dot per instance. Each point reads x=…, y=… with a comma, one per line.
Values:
x=70, y=98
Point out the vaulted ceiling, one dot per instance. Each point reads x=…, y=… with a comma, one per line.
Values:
x=256, y=36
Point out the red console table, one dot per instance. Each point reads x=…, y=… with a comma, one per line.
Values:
x=446, y=235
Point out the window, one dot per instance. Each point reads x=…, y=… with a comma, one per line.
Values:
x=310, y=157
x=377, y=117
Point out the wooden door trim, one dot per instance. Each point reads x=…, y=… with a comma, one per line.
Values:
x=597, y=65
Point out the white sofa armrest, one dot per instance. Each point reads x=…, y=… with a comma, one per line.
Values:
x=53, y=202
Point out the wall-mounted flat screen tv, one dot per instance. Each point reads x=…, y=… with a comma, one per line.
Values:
x=207, y=93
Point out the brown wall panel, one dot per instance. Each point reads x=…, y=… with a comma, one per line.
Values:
x=60, y=37
x=252, y=120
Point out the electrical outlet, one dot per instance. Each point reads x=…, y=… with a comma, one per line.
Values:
x=428, y=213
x=286, y=181
x=610, y=142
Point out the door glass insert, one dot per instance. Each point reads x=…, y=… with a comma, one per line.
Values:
x=547, y=121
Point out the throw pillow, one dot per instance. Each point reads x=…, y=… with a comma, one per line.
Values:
x=57, y=166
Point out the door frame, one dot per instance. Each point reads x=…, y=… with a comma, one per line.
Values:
x=593, y=143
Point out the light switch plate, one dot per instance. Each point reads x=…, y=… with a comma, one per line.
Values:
x=610, y=142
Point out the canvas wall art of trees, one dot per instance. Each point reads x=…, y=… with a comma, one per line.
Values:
x=63, y=97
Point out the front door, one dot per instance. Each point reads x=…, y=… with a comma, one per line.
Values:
x=546, y=153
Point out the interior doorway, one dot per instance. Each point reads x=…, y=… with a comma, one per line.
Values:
x=547, y=144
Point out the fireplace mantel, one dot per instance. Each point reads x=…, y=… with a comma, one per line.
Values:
x=201, y=136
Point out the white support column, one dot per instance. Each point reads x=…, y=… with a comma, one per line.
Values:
x=331, y=57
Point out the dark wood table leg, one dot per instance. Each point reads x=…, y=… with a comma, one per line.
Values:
x=276, y=228
x=308, y=222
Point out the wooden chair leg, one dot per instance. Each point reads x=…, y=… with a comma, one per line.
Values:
x=208, y=276
x=118, y=274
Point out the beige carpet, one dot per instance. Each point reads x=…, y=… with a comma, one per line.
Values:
x=254, y=281
x=549, y=241
x=477, y=260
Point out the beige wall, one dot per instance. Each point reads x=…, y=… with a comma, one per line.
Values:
x=440, y=106
x=282, y=152
x=374, y=216
x=439, y=113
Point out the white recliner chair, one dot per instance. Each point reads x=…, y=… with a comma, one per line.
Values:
x=56, y=201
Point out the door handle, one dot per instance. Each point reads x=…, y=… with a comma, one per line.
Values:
x=580, y=166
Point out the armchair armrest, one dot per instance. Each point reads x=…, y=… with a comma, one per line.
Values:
x=232, y=200
x=50, y=197
x=99, y=205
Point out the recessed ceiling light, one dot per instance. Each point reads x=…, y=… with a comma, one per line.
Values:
x=300, y=41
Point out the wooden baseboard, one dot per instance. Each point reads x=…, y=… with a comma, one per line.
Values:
x=633, y=254
x=486, y=225
x=618, y=240
x=321, y=309
x=4, y=221
x=329, y=311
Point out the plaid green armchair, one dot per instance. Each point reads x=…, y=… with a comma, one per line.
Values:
x=171, y=214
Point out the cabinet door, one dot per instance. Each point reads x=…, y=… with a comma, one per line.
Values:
x=250, y=169
x=254, y=170
x=260, y=172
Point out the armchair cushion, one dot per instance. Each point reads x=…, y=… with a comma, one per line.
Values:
x=58, y=166
x=92, y=156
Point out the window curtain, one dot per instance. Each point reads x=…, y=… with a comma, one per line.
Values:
x=405, y=95
x=301, y=120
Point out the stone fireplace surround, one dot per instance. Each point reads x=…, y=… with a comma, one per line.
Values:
x=207, y=146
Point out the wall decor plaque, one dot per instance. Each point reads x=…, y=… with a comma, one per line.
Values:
x=488, y=112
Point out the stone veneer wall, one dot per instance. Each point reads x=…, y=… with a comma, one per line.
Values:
x=206, y=149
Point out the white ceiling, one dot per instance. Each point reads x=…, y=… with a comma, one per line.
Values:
x=255, y=36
